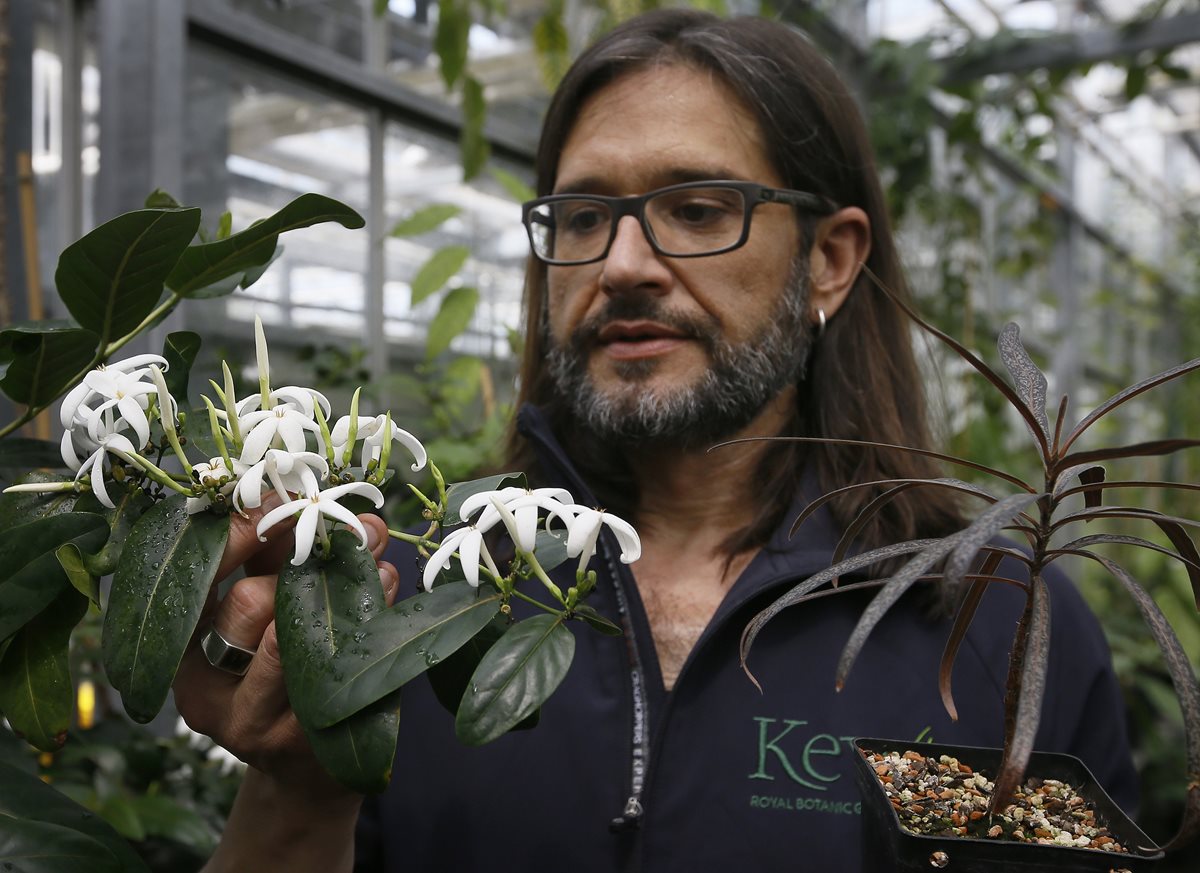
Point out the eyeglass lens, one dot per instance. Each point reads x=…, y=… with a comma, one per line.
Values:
x=691, y=221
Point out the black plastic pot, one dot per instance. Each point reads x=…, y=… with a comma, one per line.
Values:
x=891, y=849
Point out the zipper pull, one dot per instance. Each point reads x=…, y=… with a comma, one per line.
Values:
x=630, y=818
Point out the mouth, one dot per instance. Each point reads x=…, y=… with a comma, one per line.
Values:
x=627, y=340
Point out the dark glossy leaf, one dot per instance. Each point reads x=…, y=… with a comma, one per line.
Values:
x=518, y=673
x=253, y=261
x=396, y=646
x=36, y=694
x=1120, y=512
x=30, y=576
x=1101, y=485
x=71, y=561
x=472, y=144
x=129, y=506
x=28, y=846
x=1094, y=475
x=798, y=593
x=167, y=565
x=450, y=676
x=425, y=220
x=598, y=621
x=963, y=616
x=437, y=271
x=1031, y=382
x=1128, y=394
x=160, y=199
x=25, y=798
x=164, y=816
x=321, y=607
x=550, y=546
x=1187, y=555
x=180, y=350
x=21, y=507
x=460, y=491
x=255, y=273
x=208, y=263
x=120, y=813
x=45, y=359
x=19, y=453
x=455, y=313
x=963, y=352
x=1138, y=450
x=1035, y=657
x=981, y=531
x=113, y=277
x=450, y=39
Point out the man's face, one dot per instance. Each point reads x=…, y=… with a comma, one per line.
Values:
x=686, y=351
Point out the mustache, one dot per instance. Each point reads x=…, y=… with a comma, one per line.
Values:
x=644, y=308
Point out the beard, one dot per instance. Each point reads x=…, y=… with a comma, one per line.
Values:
x=739, y=382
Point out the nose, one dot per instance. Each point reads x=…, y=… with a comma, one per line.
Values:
x=632, y=265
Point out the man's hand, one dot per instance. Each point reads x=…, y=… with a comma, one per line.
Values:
x=249, y=715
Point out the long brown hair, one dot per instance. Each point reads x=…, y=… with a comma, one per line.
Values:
x=862, y=379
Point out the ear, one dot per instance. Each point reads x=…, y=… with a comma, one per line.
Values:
x=840, y=246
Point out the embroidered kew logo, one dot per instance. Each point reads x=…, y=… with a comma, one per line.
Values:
x=804, y=761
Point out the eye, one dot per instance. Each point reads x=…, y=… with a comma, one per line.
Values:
x=582, y=218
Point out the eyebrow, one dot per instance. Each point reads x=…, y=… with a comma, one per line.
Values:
x=662, y=179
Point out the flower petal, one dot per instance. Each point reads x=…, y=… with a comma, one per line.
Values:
x=136, y=416
x=248, y=492
x=279, y=513
x=440, y=559
x=366, y=489
x=306, y=531
x=582, y=532
x=627, y=537
x=256, y=443
x=67, y=449
x=70, y=404
x=136, y=362
x=98, y=479
x=337, y=512
x=468, y=556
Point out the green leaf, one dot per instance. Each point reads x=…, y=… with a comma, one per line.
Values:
x=392, y=648
x=255, y=273
x=163, y=816
x=208, y=263
x=32, y=577
x=321, y=607
x=166, y=568
x=180, y=349
x=43, y=359
x=1135, y=82
x=128, y=508
x=550, y=548
x=71, y=561
x=111, y=279
x=19, y=453
x=26, y=801
x=36, y=695
x=225, y=225
x=516, y=342
x=514, y=678
x=160, y=199
x=425, y=220
x=22, y=507
x=381, y=8
x=451, y=39
x=119, y=812
x=460, y=491
x=553, y=47
x=514, y=187
x=451, y=675
x=471, y=140
x=598, y=621
x=457, y=309
x=436, y=272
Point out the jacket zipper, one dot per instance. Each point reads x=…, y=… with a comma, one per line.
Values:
x=631, y=814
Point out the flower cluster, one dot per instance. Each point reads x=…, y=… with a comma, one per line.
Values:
x=520, y=511
x=275, y=440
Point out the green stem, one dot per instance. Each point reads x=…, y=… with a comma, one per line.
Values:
x=537, y=603
x=536, y=566
x=158, y=474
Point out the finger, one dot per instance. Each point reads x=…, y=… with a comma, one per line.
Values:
x=263, y=688
x=377, y=533
x=389, y=578
x=244, y=543
x=243, y=615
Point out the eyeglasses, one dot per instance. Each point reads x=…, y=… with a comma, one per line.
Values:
x=692, y=220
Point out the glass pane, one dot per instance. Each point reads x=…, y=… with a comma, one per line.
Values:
x=255, y=142
x=332, y=24
x=422, y=170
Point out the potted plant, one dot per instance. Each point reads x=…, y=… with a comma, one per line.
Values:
x=142, y=487
x=1037, y=512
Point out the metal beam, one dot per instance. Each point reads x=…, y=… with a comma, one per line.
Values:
x=1006, y=53
x=250, y=38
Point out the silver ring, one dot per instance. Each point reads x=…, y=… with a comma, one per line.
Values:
x=224, y=655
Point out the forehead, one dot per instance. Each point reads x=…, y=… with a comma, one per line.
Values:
x=659, y=126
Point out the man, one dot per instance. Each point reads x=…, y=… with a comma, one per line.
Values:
x=707, y=197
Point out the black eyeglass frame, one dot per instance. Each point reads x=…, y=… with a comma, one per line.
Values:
x=753, y=195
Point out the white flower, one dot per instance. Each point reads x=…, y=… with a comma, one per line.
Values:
x=520, y=510
x=127, y=393
x=372, y=430
x=214, y=474
x=81, y=392
x=583, y=529
x=112, y=443
x=302, y=399
x=468, y=542
x=287, y=472
x=313, y=509
x=262, y=427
